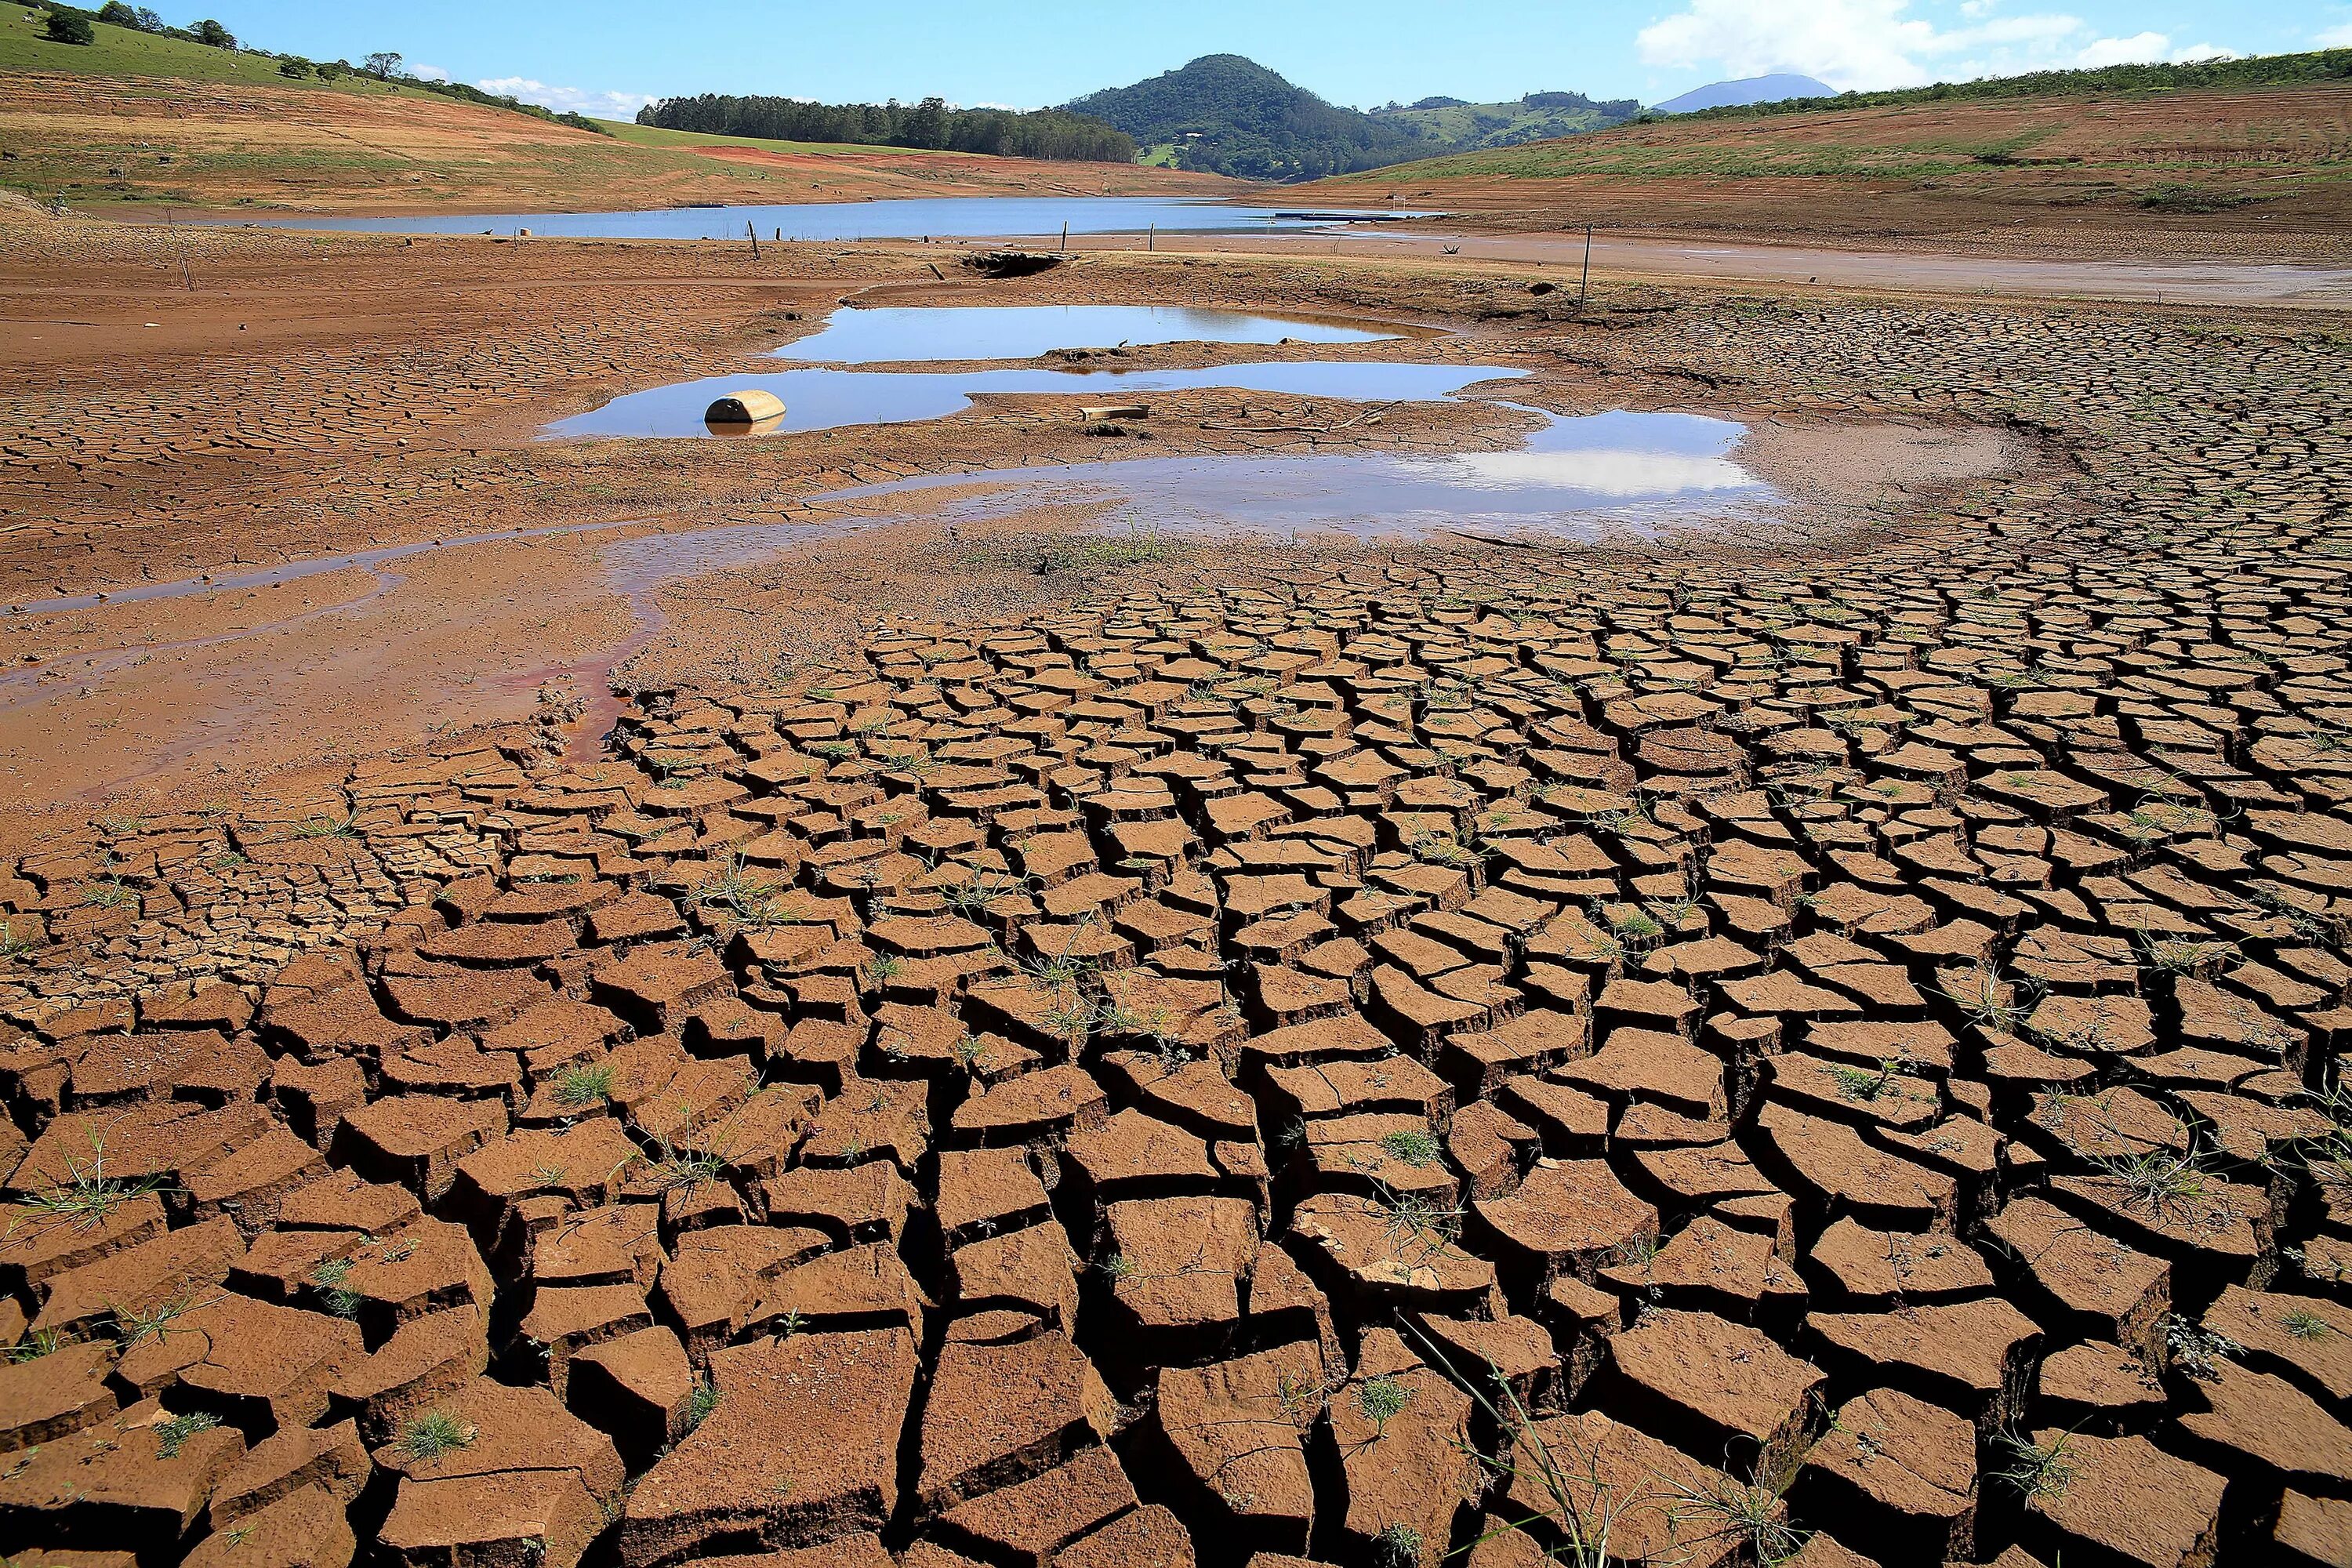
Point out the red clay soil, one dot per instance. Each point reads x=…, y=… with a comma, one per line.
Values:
x=1815, y=1047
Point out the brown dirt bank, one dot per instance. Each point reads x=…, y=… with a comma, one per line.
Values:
x=125, y=143
x=2258, y=174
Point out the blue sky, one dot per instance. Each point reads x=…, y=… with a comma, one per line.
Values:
x=606, y=56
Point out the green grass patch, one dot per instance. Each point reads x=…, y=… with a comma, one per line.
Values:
x=125, y=51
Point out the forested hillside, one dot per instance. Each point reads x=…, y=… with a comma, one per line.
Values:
x=930, y=124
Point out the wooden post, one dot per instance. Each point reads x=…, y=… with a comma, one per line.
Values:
x=186, y=277
x=755, y=239
x=1152, y=240
x=1584, y=285
x=1066, y=234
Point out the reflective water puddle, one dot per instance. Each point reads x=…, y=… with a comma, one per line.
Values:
x=1576, y=478
x=829, y=399
x=899, y=334
x=943, y=218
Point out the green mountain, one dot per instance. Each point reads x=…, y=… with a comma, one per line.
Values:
x=1460, y=127
x=1232, y=116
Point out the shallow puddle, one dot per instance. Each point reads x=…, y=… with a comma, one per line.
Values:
x=899, y=334
x=818, y=399
x=1578, y=478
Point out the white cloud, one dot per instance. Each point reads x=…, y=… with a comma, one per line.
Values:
x=2338, y=38
x=1866, y=44
x=429, y=73
x=2144, y=49
x=2137, y=50
x=1847, y=43
x=568, y=100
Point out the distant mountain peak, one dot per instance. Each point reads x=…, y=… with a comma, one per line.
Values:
x=1747, y=89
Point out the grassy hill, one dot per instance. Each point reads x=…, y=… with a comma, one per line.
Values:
x=123, y=51
x=2315, y=67
x=135, y=117
x=2257, y=158
x=1537, y=117
x=129, y=52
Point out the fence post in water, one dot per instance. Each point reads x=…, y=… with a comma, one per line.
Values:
x=1066, y=234
x=1584, y=284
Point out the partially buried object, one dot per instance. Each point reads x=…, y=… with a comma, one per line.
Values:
x=747, y=406
x=1114, y=411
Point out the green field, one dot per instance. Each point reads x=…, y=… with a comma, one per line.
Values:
x=124, y=51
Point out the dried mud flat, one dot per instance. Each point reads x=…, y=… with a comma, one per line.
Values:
x=1802, y=1051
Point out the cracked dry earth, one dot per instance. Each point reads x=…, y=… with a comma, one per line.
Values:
x=1429, y=1054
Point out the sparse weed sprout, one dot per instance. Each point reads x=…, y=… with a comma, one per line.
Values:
x=37, y=1344
x=135, y=1326
x=1413, y=1146
x=1397, y=1546
x=329, y=1277
x=171, y=1435
x=1988, y=1001
x=428, y=1436
x=2159, y=1180
x=2182, y=955
x=2195, y=1350
x=701, y=1403
x=584, y=1085
x=2038, y=1473
x=1749, y=1520
x=1382, y=1400
x=2304, y=1323
x=85, y=1198
x=1416, y=1226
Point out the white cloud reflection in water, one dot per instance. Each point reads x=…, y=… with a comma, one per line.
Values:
x=1577, y=478
x=1600, y=472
